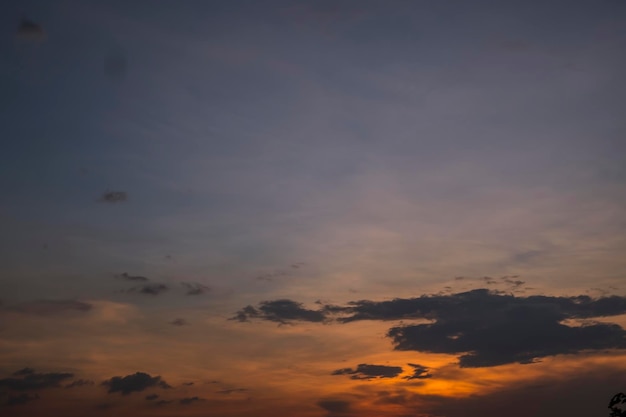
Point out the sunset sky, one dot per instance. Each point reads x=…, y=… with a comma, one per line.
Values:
x=312, y=208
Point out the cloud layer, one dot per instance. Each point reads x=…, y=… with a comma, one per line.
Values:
x=484, y=328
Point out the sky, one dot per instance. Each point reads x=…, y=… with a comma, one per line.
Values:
x=312, y=208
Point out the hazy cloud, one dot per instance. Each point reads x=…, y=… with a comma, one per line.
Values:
x=30, y=30
x=79, y=383
x=189, y=400
x=150, y=289
x=136, y=382
x=128, y=277
x=20, y=399
x=179, y=322
x=335, y=406
x=51, y=307
x=113, y=197
x=365, y=371
x=195, y=289
x=152, y=397
x=230, y=391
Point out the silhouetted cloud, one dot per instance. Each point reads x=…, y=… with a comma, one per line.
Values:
x=488, y=329
x=128, y=277
x=21, y=399
x=27, y=380
x=113, y=197
x=280, y=311
x=136, y=382
x=51, y=307
x=152, y=397
x=195, y=289
x=485, y=328
x=163, y=402
x=79, y=383
x=419, y=372
x=365, y=371
x=179, y=322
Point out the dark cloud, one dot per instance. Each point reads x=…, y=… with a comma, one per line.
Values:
x=188, y=383
x=30, y=30
x=22, y=398
x=136, y=382
x=150, y=289
x=195, y=289
x=488, y=329
x=280, y=311
x=51, y=307
x=29, y=380
x=179, y=322
x=128, y=277
x=190, y=400
x=152, y=397
x=79, y=383
x=419, y=372
x=113, y=197
x=335, y=406
x=485, y=328
x=365, y=371
x=163, y=402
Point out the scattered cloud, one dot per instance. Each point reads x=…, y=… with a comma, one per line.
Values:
x=419, y=372
x=113, y=197
x=365, y=371
x=128, y=277
x=28, y=380
x=280, y=311
x=195, y=289
x=231, y=391
x=190, y=400
x=163, y=402
x=149, y=289
x=51, y=307
x=485, y=328
x=136, y=382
